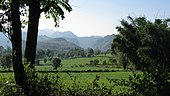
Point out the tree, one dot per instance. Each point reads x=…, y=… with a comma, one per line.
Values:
x=90, y=52
x=104, y=62
x=45, y=60
x=97, y=51
x=18, y=67
x=112, y=60
x=10, y=23
x=49, y=54
x=2, y=49
x=40, y=54
x=146, y=44
x=56, y=62
x=6, y=61
x=50, y=8
x=95, y=62
x=91, y=62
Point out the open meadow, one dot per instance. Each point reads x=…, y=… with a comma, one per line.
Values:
x=78, y=72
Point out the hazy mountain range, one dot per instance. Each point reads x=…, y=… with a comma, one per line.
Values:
x=50, y=39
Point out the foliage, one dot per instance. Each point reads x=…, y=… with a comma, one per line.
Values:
x=95, y=62
x=36, y=85
x=56, y=62
x=6, y=61
x=73, y=53
x=90, y=52
x=145, y=43
x=10, y=25
x=45, y=60
x=97, y=51
x=40, y=53
x=4, y=51
x=104, y=62
x=91, y=62
x=147, y=84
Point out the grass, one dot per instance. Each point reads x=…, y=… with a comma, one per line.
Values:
x=78, y=64
x=81, y=79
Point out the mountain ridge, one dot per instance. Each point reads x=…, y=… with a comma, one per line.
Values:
x=95, y=42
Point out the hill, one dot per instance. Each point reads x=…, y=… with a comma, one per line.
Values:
x=83, y=42
x=104, y=43
x=4, y=41
x=66, y=34
x=56, y=44
x=68, y=38
x=88, y=42
x=95, y=42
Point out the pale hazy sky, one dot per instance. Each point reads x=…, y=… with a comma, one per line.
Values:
x=100, y=17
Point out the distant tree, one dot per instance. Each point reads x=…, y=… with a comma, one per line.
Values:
x=1, y=51
x=45, y=60
x=104, y=62
x=56, y=63
x=6, y=61
x=95, y=62
x=97, y=51
x=91, y=62
x=40, y=54
x=90, y=52
x=37, y=62
x=8, y=50
x=49, y=53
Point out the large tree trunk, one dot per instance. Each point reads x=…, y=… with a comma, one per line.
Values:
x=18, y=67
x=31, y=43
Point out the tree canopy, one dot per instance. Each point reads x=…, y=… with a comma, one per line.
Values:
x=144, y=42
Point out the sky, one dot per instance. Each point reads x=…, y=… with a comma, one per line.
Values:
x=100, y=17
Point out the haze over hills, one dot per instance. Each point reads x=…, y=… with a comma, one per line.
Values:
x=104, y=43
x=54, y=40
x=4, y=41
x=98, y=42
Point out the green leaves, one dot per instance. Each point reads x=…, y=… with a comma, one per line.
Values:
x=143, y=41
x=54, y=9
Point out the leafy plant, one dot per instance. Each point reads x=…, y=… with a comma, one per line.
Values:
x=56, y=62
x=6, y=61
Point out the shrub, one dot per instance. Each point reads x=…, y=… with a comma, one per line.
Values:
x=45, y=60
x=104, y=62
x=91, y=62
x=56, y=62
x=6, y=61
x=95, y=62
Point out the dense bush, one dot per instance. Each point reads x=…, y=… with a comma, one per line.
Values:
x=145, y=44
x=104, y=62
x=56, y=62
x=6, y=61
x=95, y=62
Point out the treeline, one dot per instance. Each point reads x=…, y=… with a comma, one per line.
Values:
x=73, y=53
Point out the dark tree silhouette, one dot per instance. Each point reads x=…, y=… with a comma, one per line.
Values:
x=11, y=17
x=20, y=75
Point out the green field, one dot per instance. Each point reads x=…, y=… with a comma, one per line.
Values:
x=78, y=77
x=78, y=64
